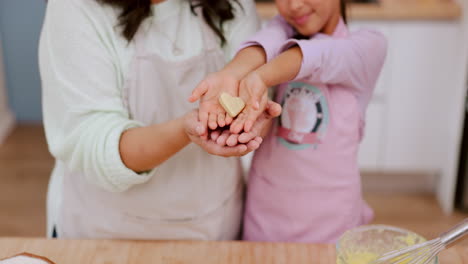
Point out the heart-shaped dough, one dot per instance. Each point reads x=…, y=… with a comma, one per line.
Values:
x=232, y=105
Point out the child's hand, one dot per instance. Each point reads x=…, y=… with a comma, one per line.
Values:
x=254, y=92
x=211, y=113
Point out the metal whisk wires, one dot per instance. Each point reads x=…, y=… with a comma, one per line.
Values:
x=425, y=252
x=419, y=254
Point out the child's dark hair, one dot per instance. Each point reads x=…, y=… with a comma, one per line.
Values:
x=343, y=10
x=133, y=12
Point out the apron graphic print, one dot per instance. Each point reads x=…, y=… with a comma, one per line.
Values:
x=304, y=119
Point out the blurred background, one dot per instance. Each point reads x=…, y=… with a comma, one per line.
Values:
x=414, y=155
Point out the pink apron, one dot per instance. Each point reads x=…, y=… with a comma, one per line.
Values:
x=193, y=195
x=304, y=185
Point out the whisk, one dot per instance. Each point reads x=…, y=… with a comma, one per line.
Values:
x=423, y=253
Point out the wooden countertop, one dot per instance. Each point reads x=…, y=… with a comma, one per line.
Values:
x=134, y=252
x=390, y=10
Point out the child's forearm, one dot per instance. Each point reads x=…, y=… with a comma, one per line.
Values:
x=246, y=61
x=283, y=68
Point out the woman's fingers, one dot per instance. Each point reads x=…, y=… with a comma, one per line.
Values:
x=223, y=138
x=203, y=118
x=214, y=135
x=226, y=151
x=228, y=119
x=254, y=144
x=246, y=137
x=232, y=140
x=240, y=150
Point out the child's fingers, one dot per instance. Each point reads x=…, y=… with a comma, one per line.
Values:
x=223, y=138
x=250, y=120
x=253, y=97
x=238, y=124
x=249, y=136
x=273, y=108
x=256, y=93
x=200, y=90
x=248, y=125
x=213, y=121
x=221, y=119
x=255, y=101
x=232, y=140
x=228, y=120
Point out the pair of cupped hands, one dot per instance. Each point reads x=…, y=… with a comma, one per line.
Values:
x=217, y=132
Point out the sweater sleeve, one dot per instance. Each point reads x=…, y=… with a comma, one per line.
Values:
x=271, y=37
x=354, y=61
x=84, y=115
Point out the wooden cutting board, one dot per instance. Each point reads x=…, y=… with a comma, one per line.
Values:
x=147, y=252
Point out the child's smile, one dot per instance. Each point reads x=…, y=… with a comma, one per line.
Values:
x=309, y=17
x=301, y=20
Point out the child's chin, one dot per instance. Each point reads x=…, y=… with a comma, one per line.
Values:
x=307, y=30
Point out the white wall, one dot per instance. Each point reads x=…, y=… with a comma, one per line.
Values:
x=6, y=117
x=20, y=27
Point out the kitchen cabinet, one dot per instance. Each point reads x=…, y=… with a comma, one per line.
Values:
x=415, y=117
x=372, y=149
x=6, y=116
x=414, y=92
x=370, y=152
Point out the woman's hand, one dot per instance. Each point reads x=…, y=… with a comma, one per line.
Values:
x=259, y=128
x=195, y=129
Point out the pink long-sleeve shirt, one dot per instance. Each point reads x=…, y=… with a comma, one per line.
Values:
x=304, y=184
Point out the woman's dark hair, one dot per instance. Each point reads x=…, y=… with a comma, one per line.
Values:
x=133, y=12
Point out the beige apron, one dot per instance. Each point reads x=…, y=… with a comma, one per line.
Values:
x=193, y=195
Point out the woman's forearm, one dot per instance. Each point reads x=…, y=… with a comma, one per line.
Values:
x=144, y=148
